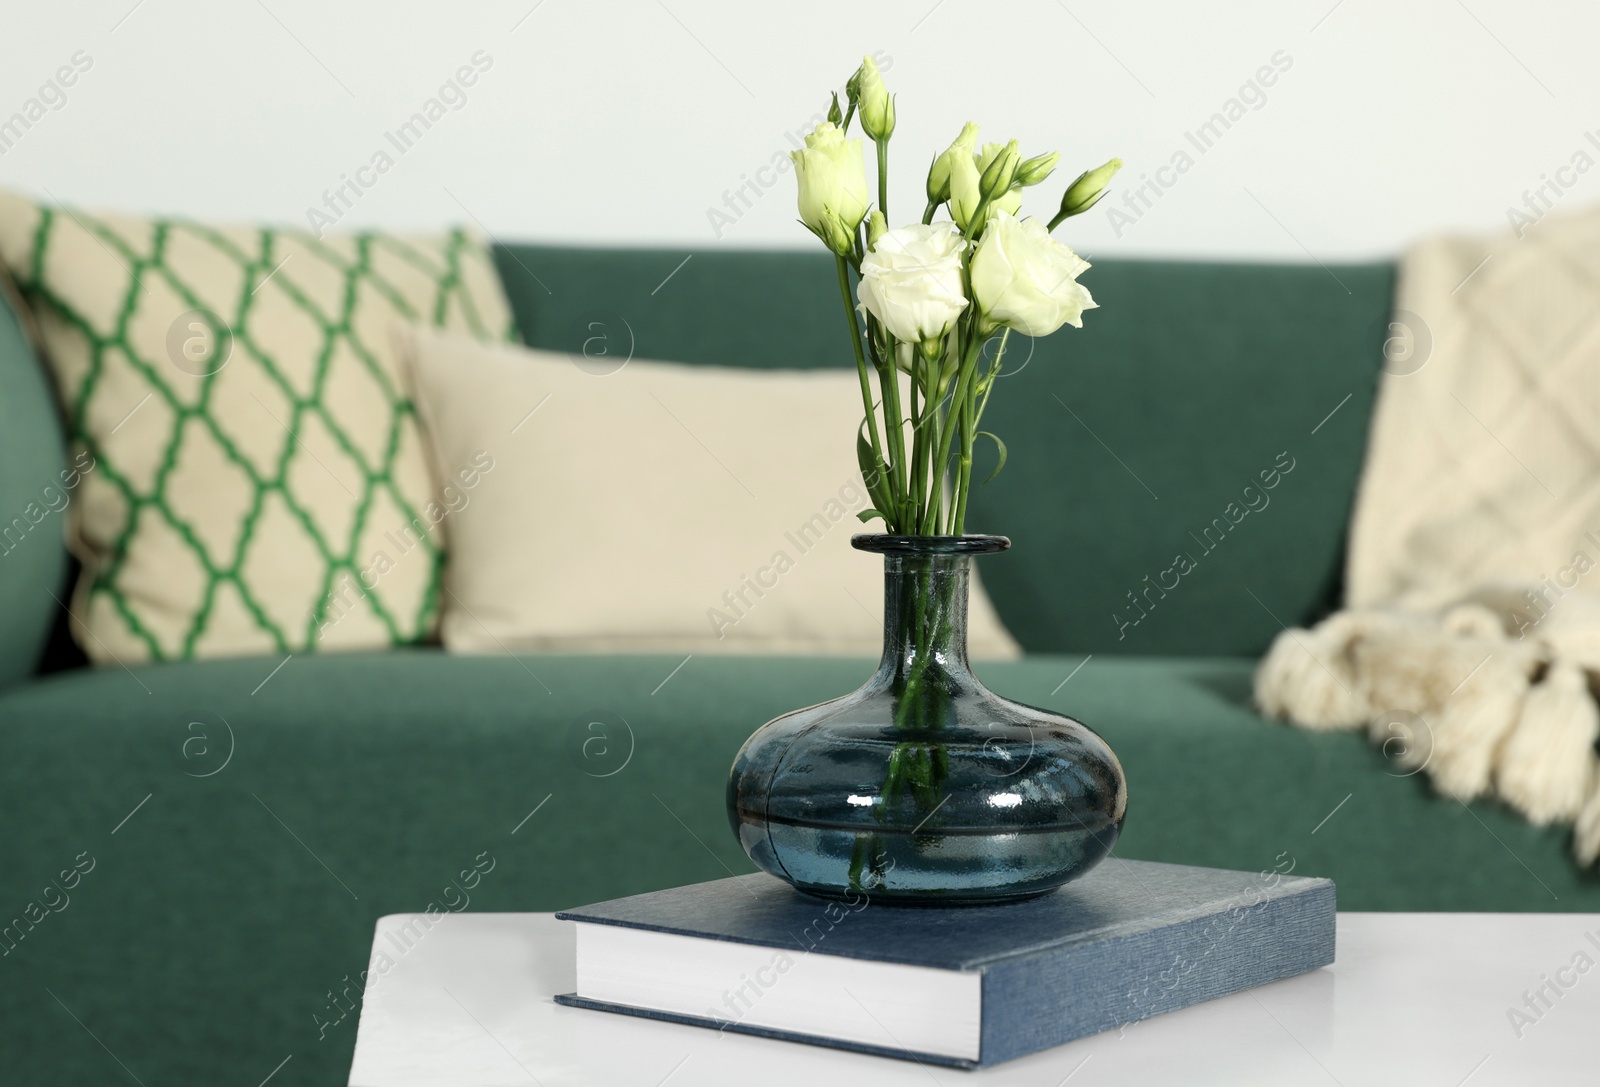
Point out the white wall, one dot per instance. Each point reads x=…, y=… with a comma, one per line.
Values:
x=627, y=122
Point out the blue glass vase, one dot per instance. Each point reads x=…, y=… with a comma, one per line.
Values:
x=923, y=787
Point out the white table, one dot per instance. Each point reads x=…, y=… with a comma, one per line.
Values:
x=1414, y=999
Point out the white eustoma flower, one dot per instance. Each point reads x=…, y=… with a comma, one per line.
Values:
x=1026, y=280
x=912, y=281
x=833, y=185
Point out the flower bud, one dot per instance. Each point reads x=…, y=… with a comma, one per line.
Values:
x=835, y=116
x=1034, y=170
x=965, y=146
x=877, y=226
x=964, y=185
x=1090, y=187
x=833, y=186
x=836, y=235
x=999, y=169
x=877, y=108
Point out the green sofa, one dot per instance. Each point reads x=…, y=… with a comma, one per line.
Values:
x=207, y=845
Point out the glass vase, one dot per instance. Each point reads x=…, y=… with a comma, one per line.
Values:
x=923, y=787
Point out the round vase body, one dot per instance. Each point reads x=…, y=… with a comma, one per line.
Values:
x=923, y=787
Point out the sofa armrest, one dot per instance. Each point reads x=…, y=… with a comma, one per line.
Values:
x=33, y=456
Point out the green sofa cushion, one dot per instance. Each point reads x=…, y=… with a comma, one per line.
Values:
x=1134, y=490
x=222, y=910
x=33, y=455
x=1134, y=441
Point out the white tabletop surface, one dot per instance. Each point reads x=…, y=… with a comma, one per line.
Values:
x=1414, y=999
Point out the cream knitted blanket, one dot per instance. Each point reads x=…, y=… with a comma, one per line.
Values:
x=1471, y=644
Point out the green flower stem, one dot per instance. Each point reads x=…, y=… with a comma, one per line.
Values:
x=969, y=364
x=889, y=390
x=969, y=430
x=969, y=435
x=928, y=491
x=883, y=176
x=979, y=220
x=926, y=439
x=919, y=442
x=929, y=622
x=935, y=466
x=889, y=380
x=858, y=860
x=920, y=700
x=914, y=469
x=994, y=372
x=861, y=368
x=944, y=419
x=927, y=213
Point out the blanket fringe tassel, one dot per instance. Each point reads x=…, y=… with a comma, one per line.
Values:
x=1482, y=714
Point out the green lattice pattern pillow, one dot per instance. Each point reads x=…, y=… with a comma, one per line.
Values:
x=259, y=483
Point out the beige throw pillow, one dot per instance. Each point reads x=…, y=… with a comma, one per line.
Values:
x=659, y=508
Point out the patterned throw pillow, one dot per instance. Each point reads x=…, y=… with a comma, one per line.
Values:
x=257, y=481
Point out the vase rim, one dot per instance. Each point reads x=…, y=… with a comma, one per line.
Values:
x=887, y=544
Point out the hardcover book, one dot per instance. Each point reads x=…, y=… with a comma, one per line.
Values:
x=959, y=986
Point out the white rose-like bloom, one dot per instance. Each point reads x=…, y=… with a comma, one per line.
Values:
x=833, y=184
x=1025, y=280
x=912, y=281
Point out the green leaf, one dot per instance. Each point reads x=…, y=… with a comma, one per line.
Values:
x=998, y=444
x=867, y=515
x=873, y=471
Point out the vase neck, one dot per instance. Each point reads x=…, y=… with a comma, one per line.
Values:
x=924, y=617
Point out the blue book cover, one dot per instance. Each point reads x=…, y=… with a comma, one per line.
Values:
x=972, y=986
